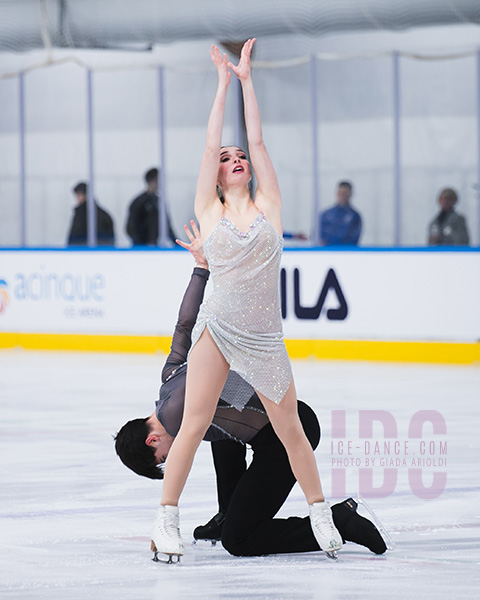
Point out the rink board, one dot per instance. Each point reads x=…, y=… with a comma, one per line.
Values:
x=361, y=304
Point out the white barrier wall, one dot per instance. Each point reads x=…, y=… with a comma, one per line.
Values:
x=326, y=295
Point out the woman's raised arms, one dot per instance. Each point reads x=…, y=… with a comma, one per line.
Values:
x=268, y=192
x=206, y=194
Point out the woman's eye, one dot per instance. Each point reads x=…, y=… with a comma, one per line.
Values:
x=224, y=159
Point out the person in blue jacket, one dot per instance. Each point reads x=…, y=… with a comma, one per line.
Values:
x=341, y=225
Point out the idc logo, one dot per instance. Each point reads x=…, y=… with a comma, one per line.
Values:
x=4, y=299
x=330, y=283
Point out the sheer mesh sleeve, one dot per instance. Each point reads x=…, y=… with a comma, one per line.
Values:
x=182, y=336
x=172, y=400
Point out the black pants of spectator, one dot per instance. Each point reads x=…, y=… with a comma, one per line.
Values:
x=250, y=528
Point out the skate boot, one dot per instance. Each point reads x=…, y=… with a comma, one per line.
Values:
x=355, y=528
x=166, y=535
x=323, y=528
x=212, y=531
x=378, y=524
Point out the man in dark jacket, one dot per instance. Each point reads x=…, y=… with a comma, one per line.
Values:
x=78, y=229
x=142, y=223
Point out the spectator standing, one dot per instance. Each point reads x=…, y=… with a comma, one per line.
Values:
x=142, y=223
x=448, y=228
x=78, y=229
x=341, y=224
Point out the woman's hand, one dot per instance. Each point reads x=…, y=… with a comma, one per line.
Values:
x=242, y=70
x=196, y=245
x=221, y=62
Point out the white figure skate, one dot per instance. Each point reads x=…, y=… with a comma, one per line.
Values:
x=323, y=528
x=166, y=535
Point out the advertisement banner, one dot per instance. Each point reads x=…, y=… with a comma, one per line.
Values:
x=381, y=295
x=357, y=295
x=107, y=292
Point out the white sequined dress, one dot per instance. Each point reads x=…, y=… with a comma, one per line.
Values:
x=243, y=311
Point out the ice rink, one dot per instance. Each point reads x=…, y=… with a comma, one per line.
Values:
x=75, y=523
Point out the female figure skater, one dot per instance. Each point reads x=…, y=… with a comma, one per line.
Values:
x=239, y=327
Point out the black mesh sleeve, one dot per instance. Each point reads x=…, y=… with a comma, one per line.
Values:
x=187, y=316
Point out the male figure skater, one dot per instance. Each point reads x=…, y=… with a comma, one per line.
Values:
x=249, y=498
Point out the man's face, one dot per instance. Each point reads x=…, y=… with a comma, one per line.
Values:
x=81, y=198
x=158, y=439
x=163, y=448
x=446, y=201
x=344, y=194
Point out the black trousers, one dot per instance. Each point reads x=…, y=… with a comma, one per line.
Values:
x=252, y=497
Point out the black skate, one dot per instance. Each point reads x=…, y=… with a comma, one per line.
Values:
x=378, y=524
x=212, y=531
x=355, y=528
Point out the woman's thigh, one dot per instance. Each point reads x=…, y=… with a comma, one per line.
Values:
x=206, y=375
x=284, y=416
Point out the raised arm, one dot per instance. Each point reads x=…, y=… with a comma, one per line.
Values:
x=268, y=192
x=206, y=194
x=193, y=297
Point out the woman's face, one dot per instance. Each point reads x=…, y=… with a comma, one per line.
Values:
x=234, y=167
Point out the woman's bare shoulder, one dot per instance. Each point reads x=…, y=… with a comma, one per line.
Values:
x=209, y=219
x=272, y=211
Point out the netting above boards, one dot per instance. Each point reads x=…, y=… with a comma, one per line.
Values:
x=26, y=24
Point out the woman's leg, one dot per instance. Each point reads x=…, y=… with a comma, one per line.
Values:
x=286, y=423
x=250, y=528
x=206, y=375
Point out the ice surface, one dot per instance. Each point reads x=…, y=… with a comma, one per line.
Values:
x=75, y=523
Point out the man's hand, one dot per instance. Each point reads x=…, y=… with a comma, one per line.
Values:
x=196, y=245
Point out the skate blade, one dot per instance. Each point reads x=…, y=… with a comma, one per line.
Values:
x=202, y=541
x=166, y=561
x=389, y=543
x=333, y=555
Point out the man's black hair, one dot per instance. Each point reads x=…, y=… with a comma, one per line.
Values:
x=80, y=188
x=151, y=175
x=346, y=184
x=134, y=452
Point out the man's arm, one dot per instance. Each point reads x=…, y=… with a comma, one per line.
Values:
x=133, y=222
x=460, y=234
x=328, y=234
x=171, y=233
x=356, y=229
x=192, y=299
x=182, y=336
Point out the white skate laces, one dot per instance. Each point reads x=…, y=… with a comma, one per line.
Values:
x=324, y=529
x=166, y=534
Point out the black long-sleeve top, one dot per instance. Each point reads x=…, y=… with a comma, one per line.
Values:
x=142, y=222
x=77, y=235
x=228, y=422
